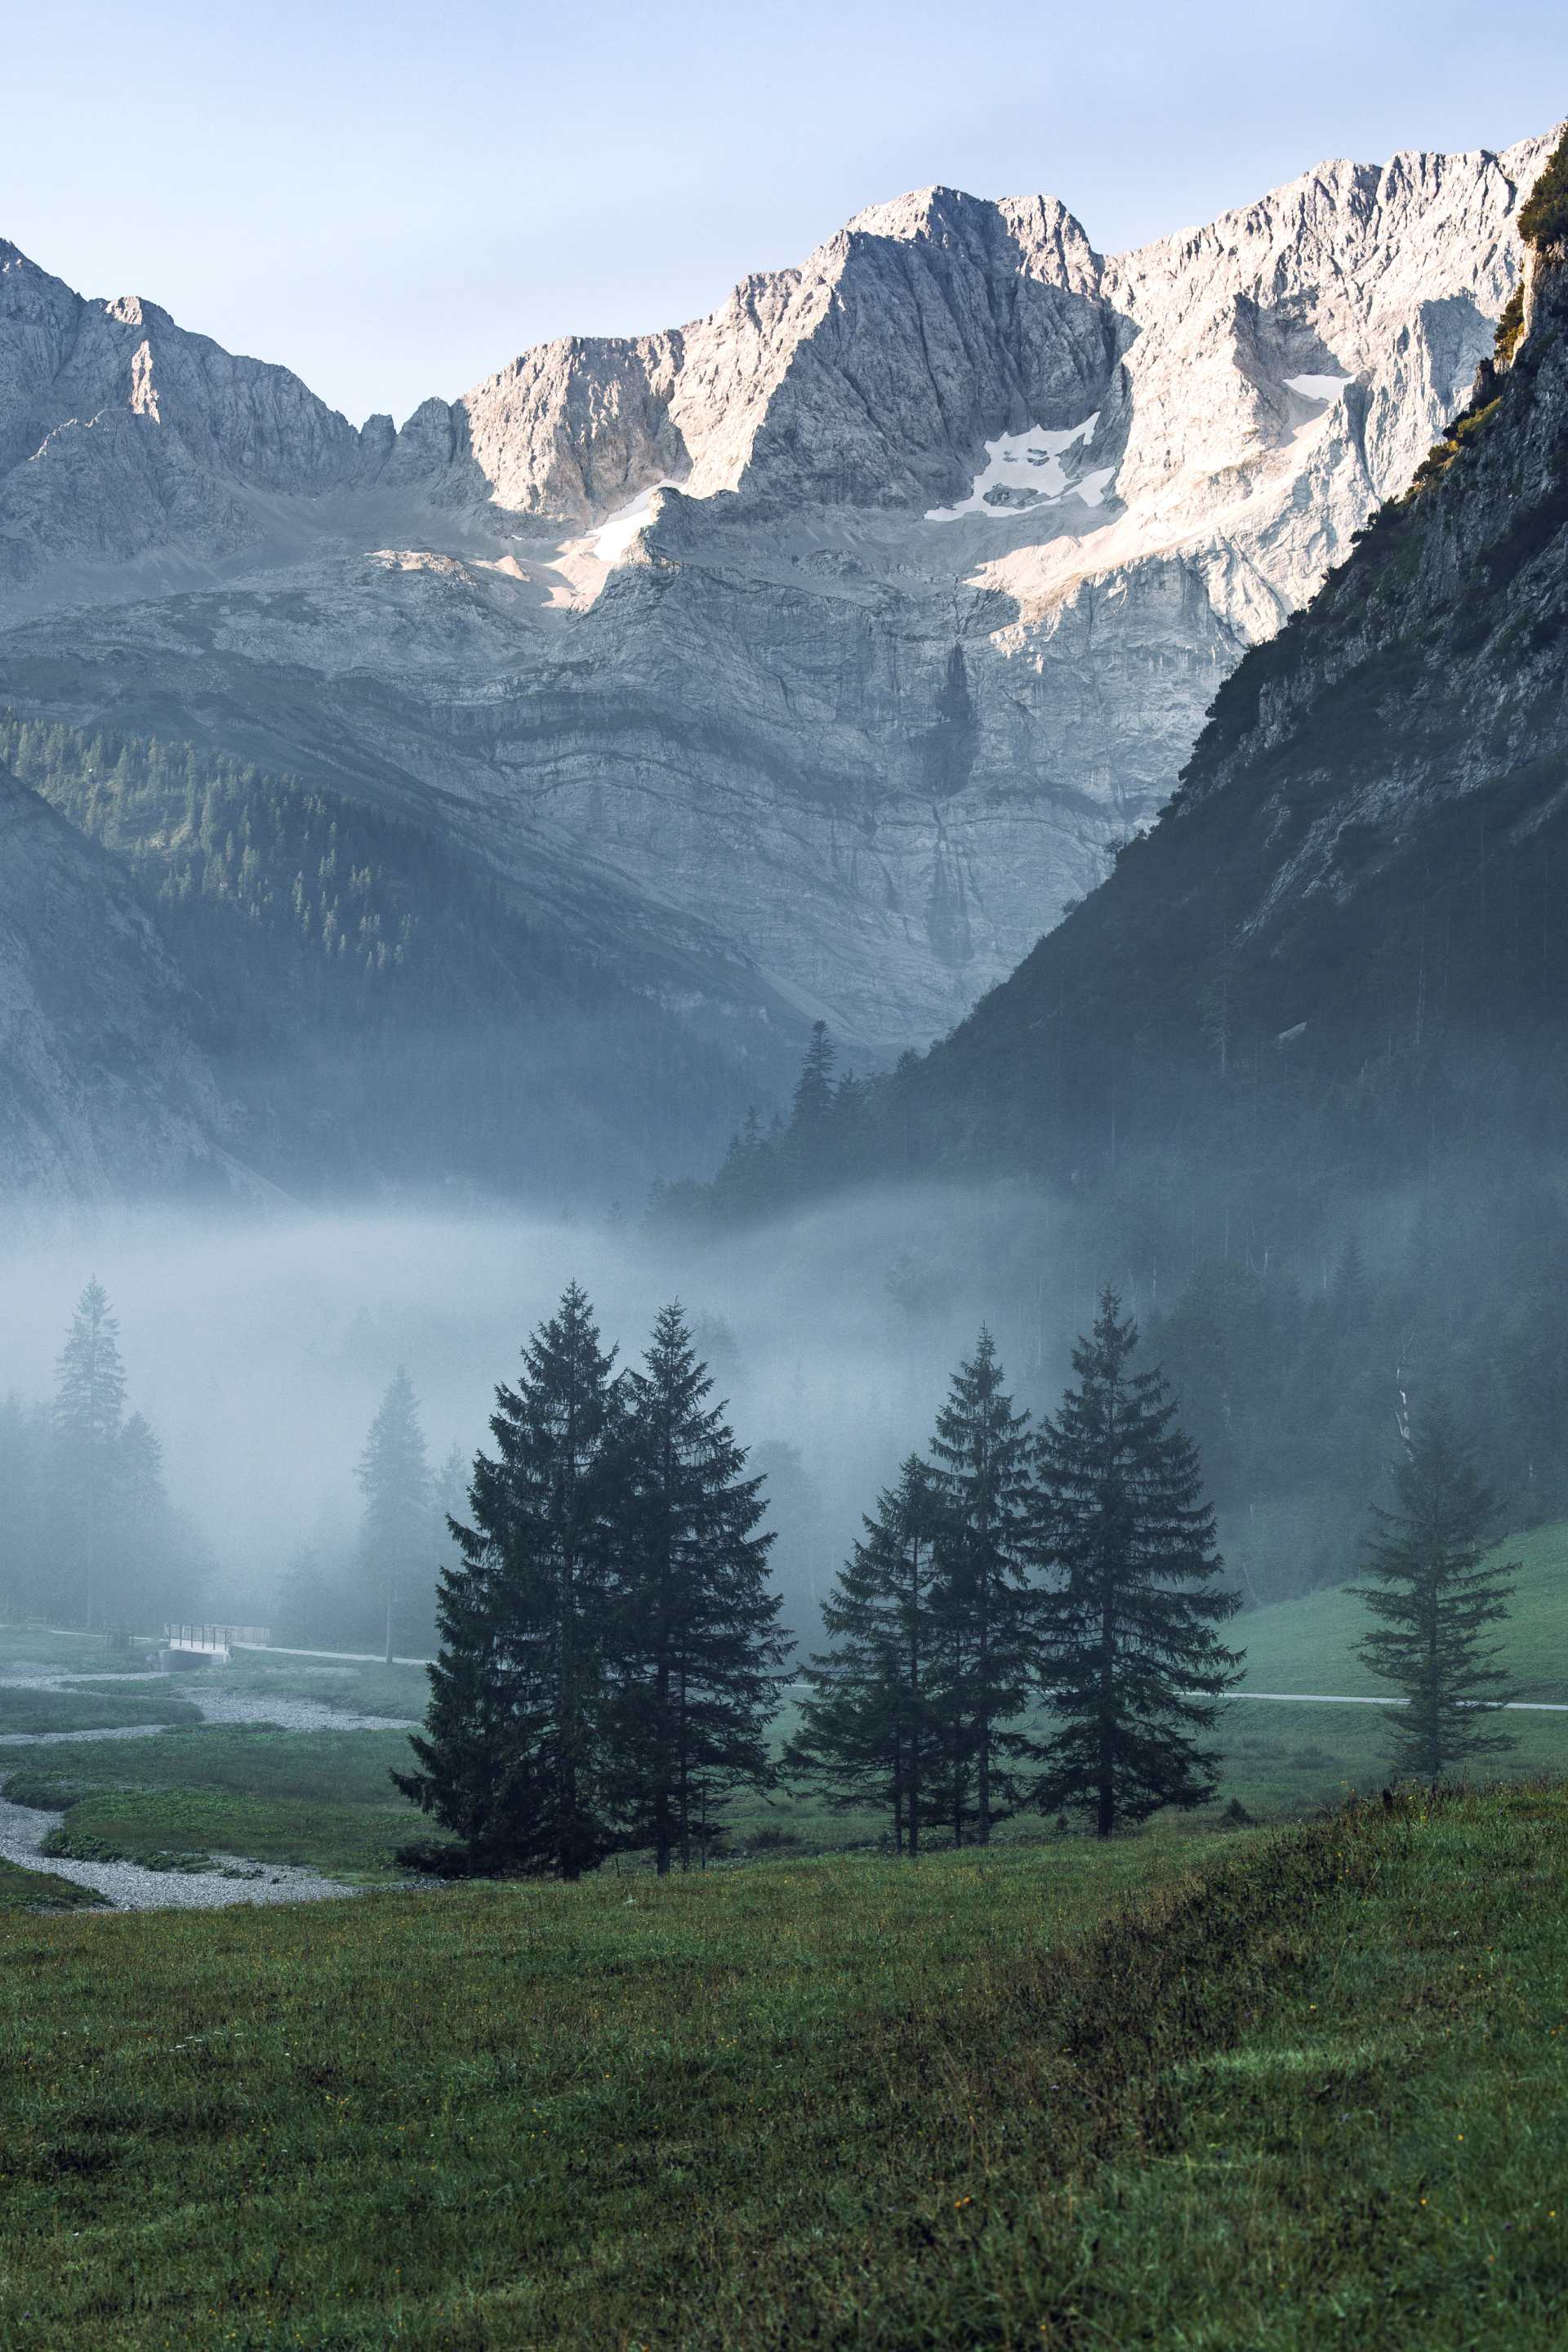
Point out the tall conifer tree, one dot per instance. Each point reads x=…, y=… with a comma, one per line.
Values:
x=1436, y=1597
x=700, y=1643
x=813, y=1087
x=90, y=1409
x=516, y=1759
x=1130, y=1662
x=397, y=1542
x=871, y=1729
x=985, y=1490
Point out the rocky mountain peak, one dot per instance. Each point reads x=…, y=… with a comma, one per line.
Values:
x=833, y=638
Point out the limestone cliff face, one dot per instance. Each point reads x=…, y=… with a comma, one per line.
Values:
x=1338, y=956
x=102, y=1085
x=829, y=643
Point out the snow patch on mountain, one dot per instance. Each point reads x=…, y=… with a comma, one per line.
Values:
x=612, y=542
x=1317, y=387
x=1023, y=470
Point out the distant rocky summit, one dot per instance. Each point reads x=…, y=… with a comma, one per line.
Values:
x=807, y=660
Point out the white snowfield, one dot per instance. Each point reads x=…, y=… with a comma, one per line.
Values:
x=1317, y=387
x=612, y=541
x=1025, y=469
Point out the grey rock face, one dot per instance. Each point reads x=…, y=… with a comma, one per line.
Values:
x=835, y=638
x=101, y=1086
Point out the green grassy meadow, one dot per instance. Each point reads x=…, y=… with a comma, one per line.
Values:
x=357, y=1686
x=1265, y=2091
x=1310, y=1644
x=323, y=1797
x=29, y=1644
x=107, y=1708
x=40, y=1890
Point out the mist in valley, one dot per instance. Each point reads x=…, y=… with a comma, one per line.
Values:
x=259, y=1346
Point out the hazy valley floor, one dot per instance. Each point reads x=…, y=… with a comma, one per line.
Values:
x=280, y=1763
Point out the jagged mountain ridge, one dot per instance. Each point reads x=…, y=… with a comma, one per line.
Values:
x=1335, y=966
x=795, y=737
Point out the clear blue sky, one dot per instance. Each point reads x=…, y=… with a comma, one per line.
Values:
x=396, y=198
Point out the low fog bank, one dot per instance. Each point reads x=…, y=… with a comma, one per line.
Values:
x=259, y=1347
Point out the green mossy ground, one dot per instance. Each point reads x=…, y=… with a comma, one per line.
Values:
x=1307, y=2092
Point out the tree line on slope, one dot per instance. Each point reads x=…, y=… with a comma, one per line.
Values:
x=383, y=1005
x=1286, y=1361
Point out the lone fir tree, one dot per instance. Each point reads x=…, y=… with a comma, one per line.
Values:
x=89, y=1413
x=1131, y=1663
x=984, y=1488
x=698, y=1637
x=1436, y=1596
x=813, y=1087
x=395, y=1542
x=515, y=1757
x=871, y=1727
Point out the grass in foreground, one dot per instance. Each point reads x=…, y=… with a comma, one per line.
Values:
x=321, y=1798
x=40, y=1890
x=1309, y=2093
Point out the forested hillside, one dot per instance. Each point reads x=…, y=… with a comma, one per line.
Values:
x=379, y=1005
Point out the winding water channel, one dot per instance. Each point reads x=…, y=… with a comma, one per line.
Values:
x=126, y=1884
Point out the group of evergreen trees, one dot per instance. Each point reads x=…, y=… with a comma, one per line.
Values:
x=89, y=1537
x=610, y=1649
x=1031, y=1615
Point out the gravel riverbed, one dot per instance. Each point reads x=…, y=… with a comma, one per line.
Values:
x=125, y=1884
x=128, y=1887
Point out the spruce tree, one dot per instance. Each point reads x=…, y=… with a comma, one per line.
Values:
x=515, y=1757
x=986, y=1512
x=1436, y=1596
x=1130, y=1661
x=397, y=1540
x=156, y=1564
x=701, y=1645
x=871, y=1729
x=89, y=1408
x=813, y=1087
